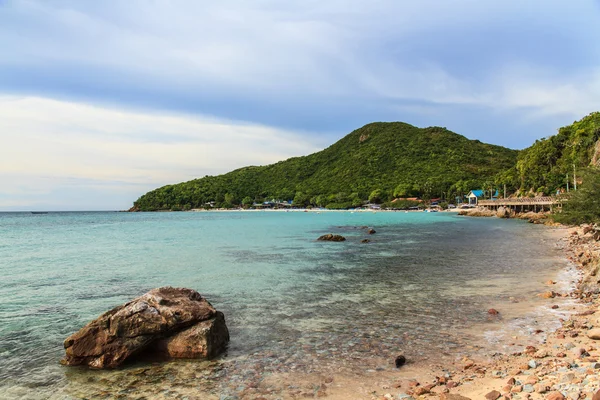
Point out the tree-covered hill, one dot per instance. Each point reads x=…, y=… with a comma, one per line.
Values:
x=543, y=167
x=379, y=160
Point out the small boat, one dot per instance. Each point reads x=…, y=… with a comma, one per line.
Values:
x=39, y=212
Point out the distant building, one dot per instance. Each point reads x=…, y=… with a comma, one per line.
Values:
x=478, y=194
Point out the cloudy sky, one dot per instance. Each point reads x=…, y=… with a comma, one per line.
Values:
x=101, y=101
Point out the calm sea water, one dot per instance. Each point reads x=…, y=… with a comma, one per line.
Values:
x=291, y=303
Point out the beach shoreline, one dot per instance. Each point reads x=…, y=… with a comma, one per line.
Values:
x=563, y=366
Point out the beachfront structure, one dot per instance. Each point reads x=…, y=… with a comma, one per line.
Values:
x=273, y=204
x=474, y=195
x=525, y=204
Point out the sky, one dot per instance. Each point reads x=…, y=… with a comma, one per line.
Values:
x=101, y=101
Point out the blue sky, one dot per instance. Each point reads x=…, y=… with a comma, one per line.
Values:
x=102, y=101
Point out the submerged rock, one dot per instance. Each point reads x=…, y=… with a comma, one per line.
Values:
x=330, y=237
x=141, y=324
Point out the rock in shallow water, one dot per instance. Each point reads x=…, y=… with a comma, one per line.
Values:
x=330, y=237
x=206, y=339
x=137, y=326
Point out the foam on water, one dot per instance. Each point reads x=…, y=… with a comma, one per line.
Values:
x=422, y=287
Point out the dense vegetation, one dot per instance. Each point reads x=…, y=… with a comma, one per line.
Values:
x=543, y=167
x=584, y=203
x=375, y=163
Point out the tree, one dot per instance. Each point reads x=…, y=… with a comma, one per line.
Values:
x=376, y=196
x=247, y=201
x=230, y=199
x=355, y=200
x=583, y=205
x=403, y=190
x=301, y=199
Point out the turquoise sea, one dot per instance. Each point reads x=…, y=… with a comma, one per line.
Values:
x=421, y=287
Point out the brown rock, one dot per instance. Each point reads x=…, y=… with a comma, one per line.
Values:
x=517, y=389
x=493, y=395
x=421, y=390
x=110, y=339
x=540, y=388
x=511, y=381
x=530, y=349
x=451, y=384
x=503, y=212
x=206, y=339
x=596, y=395
x=371, y=231
x=493, y=311
x=547, y=295
x=540, y=354
x=555, y=396
x=330, y=237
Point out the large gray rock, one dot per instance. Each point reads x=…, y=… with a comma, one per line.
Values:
x=132, y=328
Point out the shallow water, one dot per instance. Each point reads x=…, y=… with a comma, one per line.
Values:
x=422, y=287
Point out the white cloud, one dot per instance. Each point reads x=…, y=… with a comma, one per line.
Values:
x=48, y=144
x=306, y=50
x=543, y=94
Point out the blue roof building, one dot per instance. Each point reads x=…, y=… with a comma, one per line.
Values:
x=475, y=194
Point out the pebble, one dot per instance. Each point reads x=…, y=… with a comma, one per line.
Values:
x=594, y=334
x=540, y=388
x=555, y=396
x=532, y=364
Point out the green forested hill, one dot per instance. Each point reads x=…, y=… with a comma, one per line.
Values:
x=543, y=167
x=380, y=160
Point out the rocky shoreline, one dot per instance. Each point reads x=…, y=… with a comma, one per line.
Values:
x=502, y=212
x=566, y=365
